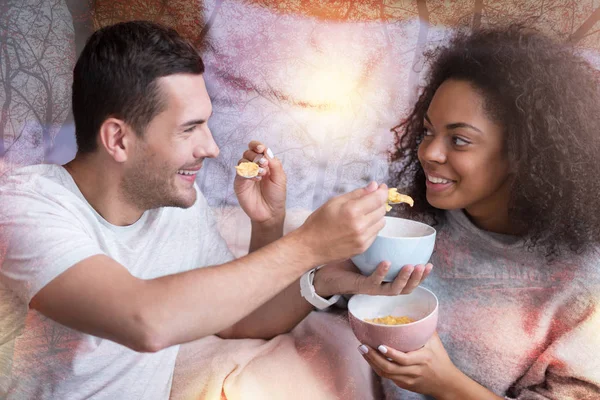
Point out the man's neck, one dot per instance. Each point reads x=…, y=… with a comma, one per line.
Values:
x=99, y=182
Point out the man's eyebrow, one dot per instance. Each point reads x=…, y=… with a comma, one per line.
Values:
x=194, y=122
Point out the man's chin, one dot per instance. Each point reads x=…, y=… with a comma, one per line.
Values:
x=185, y=200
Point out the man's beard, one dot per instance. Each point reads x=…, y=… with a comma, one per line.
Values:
x=151, y=184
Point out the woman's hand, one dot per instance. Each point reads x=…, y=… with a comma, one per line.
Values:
x=262, y=198
x=345, y=278
x=428, y=371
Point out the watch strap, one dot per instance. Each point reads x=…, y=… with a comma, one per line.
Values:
x=307, y=290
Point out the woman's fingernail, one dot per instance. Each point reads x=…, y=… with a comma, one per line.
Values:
x=363, y=349
x=382, y=349
x=261, y=170
x=262, y=161
x=270, y=153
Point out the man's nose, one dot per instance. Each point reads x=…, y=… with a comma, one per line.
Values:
x=206, y=146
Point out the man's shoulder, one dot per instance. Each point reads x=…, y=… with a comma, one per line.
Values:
x=40, y=177
x=36, y=184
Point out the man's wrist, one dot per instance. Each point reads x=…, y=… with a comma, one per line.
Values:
x=299, y=250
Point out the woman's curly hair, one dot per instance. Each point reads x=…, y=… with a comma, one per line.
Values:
x=547, y=100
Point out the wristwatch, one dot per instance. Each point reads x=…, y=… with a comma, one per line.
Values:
x=307, y=290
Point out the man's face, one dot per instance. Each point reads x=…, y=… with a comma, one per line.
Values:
x=163, y=165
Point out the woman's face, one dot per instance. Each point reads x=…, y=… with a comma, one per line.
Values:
x=463, y=153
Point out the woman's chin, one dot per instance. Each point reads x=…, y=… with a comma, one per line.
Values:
x=441, y=203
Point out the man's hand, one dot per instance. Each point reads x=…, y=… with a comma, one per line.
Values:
x=345, y=278
x=262, y=198
x=346, y=225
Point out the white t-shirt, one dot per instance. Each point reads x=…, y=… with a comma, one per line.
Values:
x=47, y=226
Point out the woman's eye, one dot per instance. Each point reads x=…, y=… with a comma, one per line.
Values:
x=426, y=132
x=459, y=141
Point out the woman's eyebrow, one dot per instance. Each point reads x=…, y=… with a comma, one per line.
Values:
x=455, y=125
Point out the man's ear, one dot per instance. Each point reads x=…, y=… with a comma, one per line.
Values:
x=116, y=137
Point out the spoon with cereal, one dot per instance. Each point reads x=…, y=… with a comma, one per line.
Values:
x=396, y=198
x=247, y=169
x=254, y=169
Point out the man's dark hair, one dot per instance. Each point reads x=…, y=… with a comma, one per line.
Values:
x=116, y=76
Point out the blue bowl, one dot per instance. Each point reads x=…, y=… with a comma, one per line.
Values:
x=402, y=242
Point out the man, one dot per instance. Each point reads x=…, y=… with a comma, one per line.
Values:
x=102, y=258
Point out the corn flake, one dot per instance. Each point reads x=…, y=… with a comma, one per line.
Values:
x=390, y=320
x=247, y=169
x=395, y=198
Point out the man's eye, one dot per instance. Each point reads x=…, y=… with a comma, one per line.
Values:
x=190, y=129
x=426, y=132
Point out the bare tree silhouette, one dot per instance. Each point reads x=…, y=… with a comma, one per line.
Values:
x=584, y=29
x=35, y=72
x=477, y=13
x=185, y=16
x=419, y=60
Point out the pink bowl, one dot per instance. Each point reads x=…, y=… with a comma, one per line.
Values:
x=421, y=305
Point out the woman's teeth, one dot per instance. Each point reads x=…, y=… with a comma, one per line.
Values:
x=184, y=172
x=433, y=179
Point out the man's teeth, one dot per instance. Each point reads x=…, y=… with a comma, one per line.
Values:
x=184, y=172
x=433, y=179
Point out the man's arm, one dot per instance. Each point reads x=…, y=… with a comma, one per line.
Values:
x=100, y=297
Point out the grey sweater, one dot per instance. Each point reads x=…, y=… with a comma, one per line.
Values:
x=521, y=327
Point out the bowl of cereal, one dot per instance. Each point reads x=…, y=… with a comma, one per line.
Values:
x=404, y=322
x=401, y=242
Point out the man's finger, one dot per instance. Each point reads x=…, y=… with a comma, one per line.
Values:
x=377, y=214
x=358, y=193
x=372, y=231
x=371, y=201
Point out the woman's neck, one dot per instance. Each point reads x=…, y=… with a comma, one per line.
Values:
x=492, y=215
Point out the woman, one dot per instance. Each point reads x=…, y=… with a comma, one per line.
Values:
x=501, y=152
